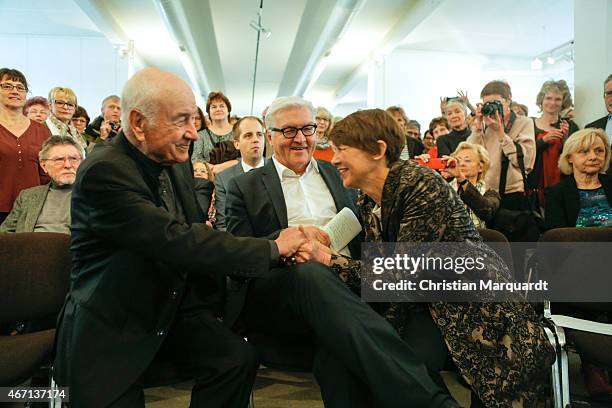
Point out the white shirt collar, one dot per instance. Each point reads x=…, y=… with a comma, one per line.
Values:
x=248, y=168
x=282, y=170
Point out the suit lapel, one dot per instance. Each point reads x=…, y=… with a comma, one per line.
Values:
x=571, y=196
x=273, y=185
x=334, y=185
x=37, y=202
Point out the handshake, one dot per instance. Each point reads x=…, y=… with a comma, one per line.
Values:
x=305, y=244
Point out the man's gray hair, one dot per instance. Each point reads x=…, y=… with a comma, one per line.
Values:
x=608, y=79
x=113, y=98
x=286, y=102
x=59, y=141
x=140, y=95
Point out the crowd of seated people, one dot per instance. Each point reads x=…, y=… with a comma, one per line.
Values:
x=491, y=156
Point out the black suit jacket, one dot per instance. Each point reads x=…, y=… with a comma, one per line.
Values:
x=563, y=201
x=599, y=123
x=255, y=207
x=134, y=265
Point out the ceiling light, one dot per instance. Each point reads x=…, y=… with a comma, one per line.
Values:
x=550, y=60
x=536, y=64
x=257, y=27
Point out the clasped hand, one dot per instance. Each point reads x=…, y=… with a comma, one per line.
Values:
x=305, y=244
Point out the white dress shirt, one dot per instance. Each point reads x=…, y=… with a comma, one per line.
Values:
x=307, y=197
x=248, y=168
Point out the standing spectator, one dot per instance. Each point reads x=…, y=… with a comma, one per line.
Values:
x=551, y=130
x=412, y=147
x=63, y=105
x=456, y=113
x=413, y=129
x=108, y=124
x=37, y=109
x=519, y=109
x=20, y=141
x=218, y=108
x=605, y=122
x=80, y=120
x=429, y=141
x=324, y=121
x=498, y=132
x=439, y=127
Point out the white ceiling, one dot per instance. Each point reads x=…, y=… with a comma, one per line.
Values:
x=344, y=34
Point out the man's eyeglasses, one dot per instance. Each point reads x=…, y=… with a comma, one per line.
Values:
x=291, y=132
x=9, y=87
x=65, y=104
x=608, y=94
x=59, y=161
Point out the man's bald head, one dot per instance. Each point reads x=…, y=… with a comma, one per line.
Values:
x=145, y=91
x=158, y=115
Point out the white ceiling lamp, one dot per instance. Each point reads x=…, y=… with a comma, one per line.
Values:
x=537, y=64
x=550, y=60
x=256, y=25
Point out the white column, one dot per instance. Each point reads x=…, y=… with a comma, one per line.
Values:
x=592, y=57
x=376, y=83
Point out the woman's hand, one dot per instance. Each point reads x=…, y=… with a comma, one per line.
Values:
x=423, y=157
x=452, y=169
x=313, y=250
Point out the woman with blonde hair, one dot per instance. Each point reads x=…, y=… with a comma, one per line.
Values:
x=63, y=106
x=584, y=199
x=468, y=165
x=551, y=130
x=324, y=121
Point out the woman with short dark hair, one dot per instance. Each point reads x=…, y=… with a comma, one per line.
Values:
x=402, y=201
x=20, y=141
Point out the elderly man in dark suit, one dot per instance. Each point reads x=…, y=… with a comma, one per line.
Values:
x=46, y=208
x=249, y=139
x=360, y=361
x=146, y=272
x=605, y=122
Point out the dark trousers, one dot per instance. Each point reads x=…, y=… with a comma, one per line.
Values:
x=199, y=346
x=361, y=360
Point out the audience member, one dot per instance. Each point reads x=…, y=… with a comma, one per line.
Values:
x=605, y=122
x=551, y=130
x=412, y=147
x=108, y=124
x=439, y=127
x=218, y=107
x=413, y=129
x=414, y=204
x=456, y=114
x=63, y=105
x=80, y=120
x=20, y=141
x=429, y=141
x=499, y=131
x=585, y=198
x=249, y=140
x=324, y=121
x=519, y=109
x=359, y=357
x=468, y=166
x=146, y=271
x=46, y=208
x=204, y=186
x=37, y=109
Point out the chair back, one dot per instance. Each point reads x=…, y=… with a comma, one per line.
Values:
x=35, y=275
x=499, y=243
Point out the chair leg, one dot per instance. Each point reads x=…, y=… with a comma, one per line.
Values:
x=563, y=367
x=555, y=371
x=251, y=401
x=53, y=402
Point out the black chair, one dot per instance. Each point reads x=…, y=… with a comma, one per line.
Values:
x=591, y=339
x=35, y=274
x=499, y=243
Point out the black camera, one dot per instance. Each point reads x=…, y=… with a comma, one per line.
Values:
x=489, y=108
x=115, y=126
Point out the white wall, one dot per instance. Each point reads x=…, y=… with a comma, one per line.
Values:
x=88, y=65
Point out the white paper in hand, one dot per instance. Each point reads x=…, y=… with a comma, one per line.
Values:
x=342, y=228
